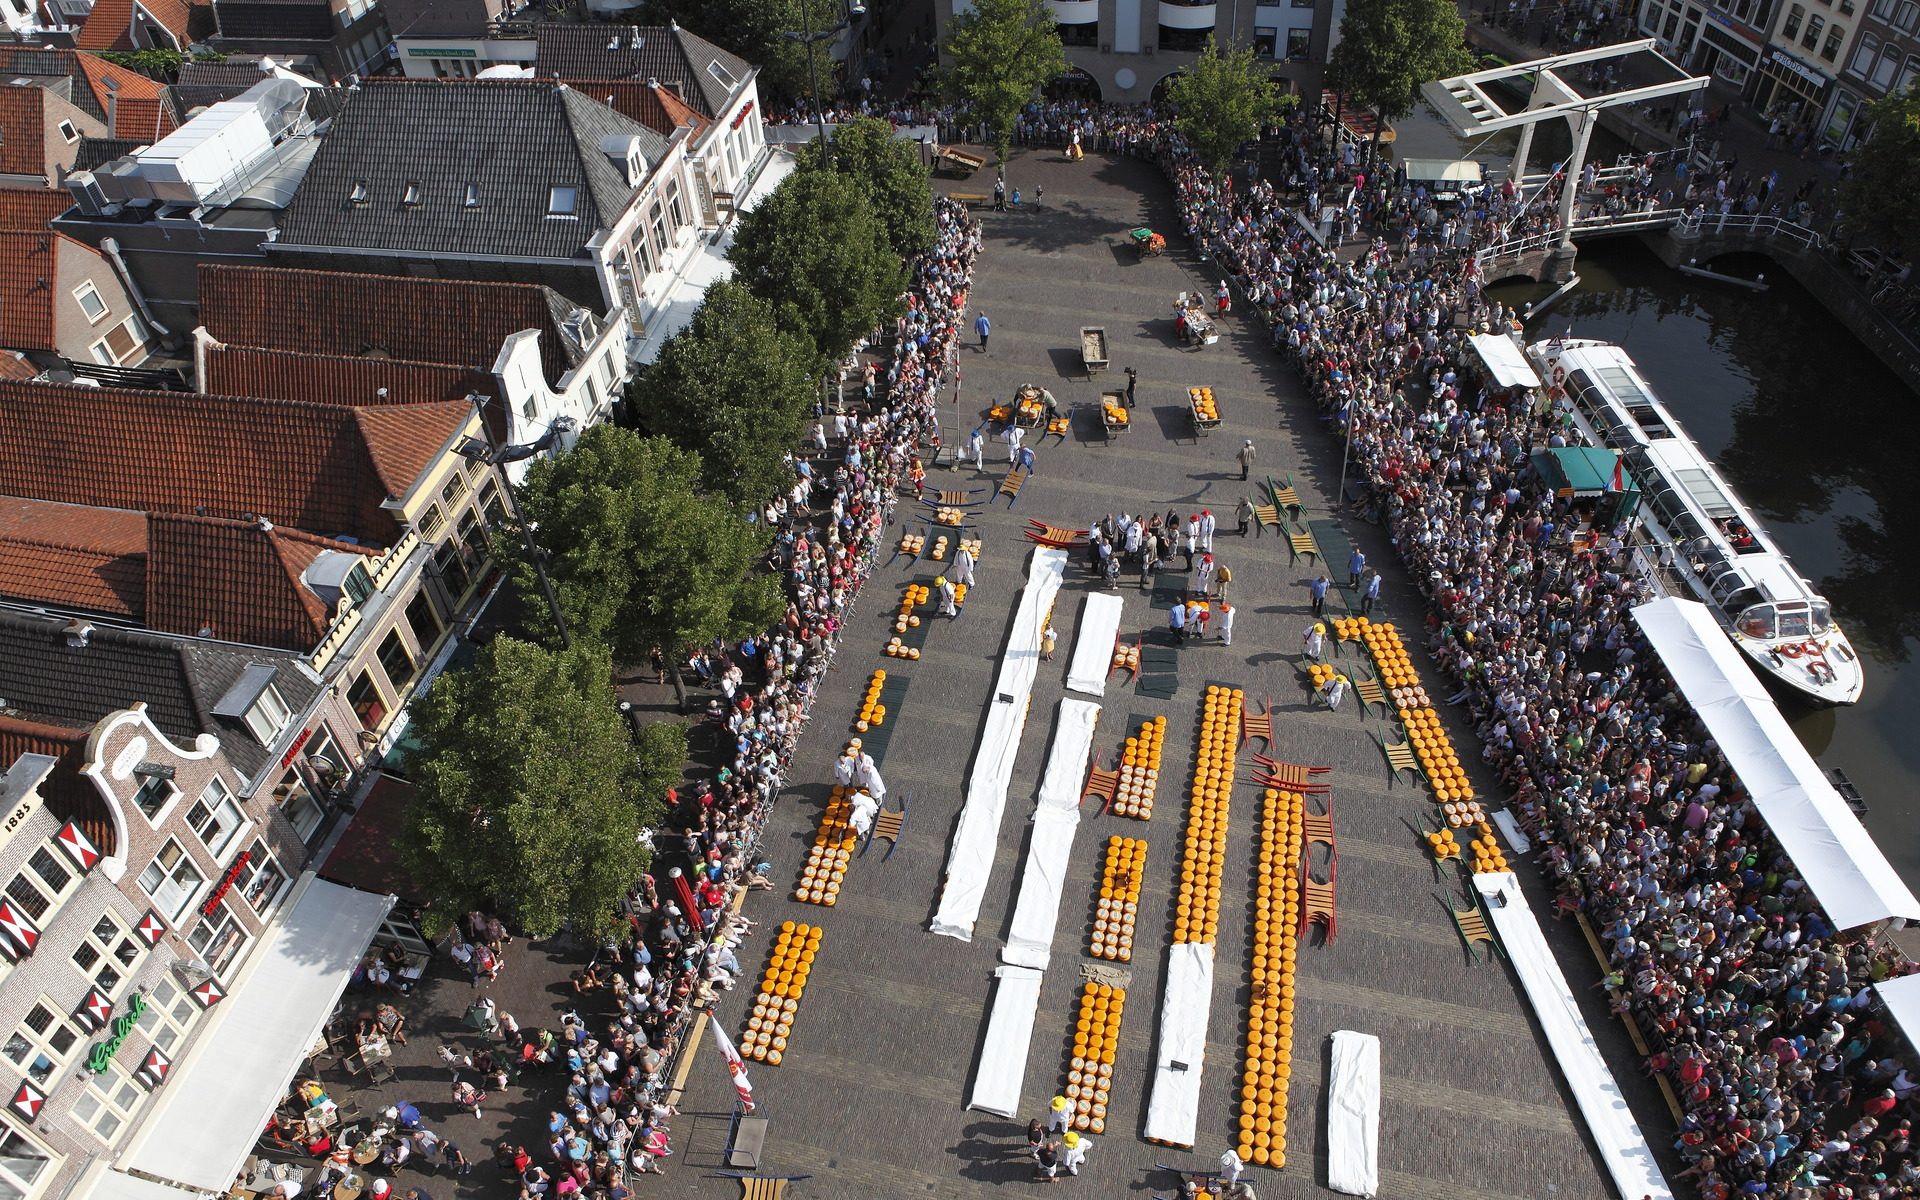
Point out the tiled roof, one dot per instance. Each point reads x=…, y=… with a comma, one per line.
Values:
x=458, y=322
x=336, y=379
x=274, y=20
x=681, y=60
x=98, y=152
x=31, y=208
x=28, y=272
x=72, y=556
x=108, y=27
x=236, y=581
x=68, y=796
x=175, y=15
x=23, y=131
x=142, y=109
x=512, y=142
x=309, y=466
x=642, y=100
x=14, y=365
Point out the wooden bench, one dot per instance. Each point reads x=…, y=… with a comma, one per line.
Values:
x=1317, y=827
x=1261, y=726
x=970, y=199
x=952, y=498
x=1371, y=693
x=1400, y=757
x=1051, y=535
x=1010, y=486
x=960, y=158
x=1302, y=544
x=1290, y=777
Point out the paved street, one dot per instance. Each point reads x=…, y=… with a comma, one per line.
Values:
x=870, y=1097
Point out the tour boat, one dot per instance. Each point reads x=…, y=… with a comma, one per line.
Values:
x=1704, y=537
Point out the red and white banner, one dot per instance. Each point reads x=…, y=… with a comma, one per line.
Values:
x=736, y=1066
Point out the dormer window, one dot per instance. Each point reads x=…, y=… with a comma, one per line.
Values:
x=255, y=702
x=563, y=202
x=472, y=198
x=359, y=193
x=410, y=198
x=268, y=716
x=722, y=75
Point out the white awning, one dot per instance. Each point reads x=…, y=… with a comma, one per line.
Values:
x=112, y=1185
x=1833, y=852
x=1508, y=366
x=1902, y=998
x=212, y=1110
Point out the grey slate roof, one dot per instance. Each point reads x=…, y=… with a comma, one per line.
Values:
x=45, y=680
x=512, y=140
x=676, y=58
x=96, y=152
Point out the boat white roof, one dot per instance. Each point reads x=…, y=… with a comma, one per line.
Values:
x=1504, y=360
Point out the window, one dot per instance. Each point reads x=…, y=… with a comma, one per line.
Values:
x=474, y=540
x=657, y=221
x=367, y=702
x=109, y=1099
x=358, y=585
x=169, y=1012
x=1846, y=8
x=172, y=879
x=359, y=193
x=472, y=197
x=1889, y=63
x=123, y=340
x=456, y=487
x=563, y=202
x=216, y=817
x=423, y=620
x=218, y=937
x=153, y=795
x=1831, y=49
x=410, y=198
x=1863, y=57
x=431, y=523
x=1812, y=37
x=263, y=880
x=1909, y=16
x=673, y=203
x=1883, y=9
x=1298, y=43
x=490, y=504
x=453, y=570
x=1908, y=74
x=68, y=133
x=268, y=715
x=303, y=810
x=37, y=888
x=24, y=1164
x=1795, y=15
x=108, y=954
x=42, y=1045
x=396, y=660
x=90, y=302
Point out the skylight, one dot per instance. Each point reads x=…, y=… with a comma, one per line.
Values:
x=359, y=193
x=473, y=196
x=725, y=76
x=563, y=202
x=411, y=196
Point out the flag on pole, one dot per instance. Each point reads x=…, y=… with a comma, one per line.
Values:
x=1619, y=472
x=736, y=1066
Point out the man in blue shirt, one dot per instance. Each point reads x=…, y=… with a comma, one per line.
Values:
x=1318, y=590
x=1177, y=621
x=1371, y=594
x=1356, y=563
x=983, y=327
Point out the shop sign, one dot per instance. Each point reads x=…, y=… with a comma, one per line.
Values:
x=225, y=885
x=123, y=1027
x=286, y=760
x=440, y=52
x=1799, y=68
x=746, y=110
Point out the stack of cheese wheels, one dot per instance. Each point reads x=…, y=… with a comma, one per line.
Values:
x=1203, y=857
x=1263, y=1079
x=872, y=712
x=1119, y=899
x=1140, y=770
x=771, y=1022
x=1487, y=855
x=830, y=853
x=1096, y=1037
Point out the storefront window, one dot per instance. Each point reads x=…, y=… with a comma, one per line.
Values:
x=263, y=880
x=169, y=1012
x=109, y=1099
x=171, y=879
x=25, y=1167
x=423, y=620
x=452, y=569
x=218, y=937
x=367, y=702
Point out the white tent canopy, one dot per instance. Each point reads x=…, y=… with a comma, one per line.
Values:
x=1833, y=852
x=1902, y=998
x=214, y=1107
x=1508, y=366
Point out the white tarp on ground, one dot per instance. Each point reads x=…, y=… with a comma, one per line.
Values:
x=1622, y=1146
x=970, y=859
x=1353, y=1114
x=1055, y=817
x=1174, y=1106
x=1833, y=852
x=218, y=1099
x=1508, y=366
x=1093, y=643
x=1902, y=998
x=1003, y=1056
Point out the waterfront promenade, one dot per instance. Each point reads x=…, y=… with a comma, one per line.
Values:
x=869, y=1098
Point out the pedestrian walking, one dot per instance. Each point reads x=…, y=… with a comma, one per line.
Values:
x=1226, y=623
x=983, y=327
x=1014, y=434
x=1048, y=638
x=1047, y=1160
x=456, y=1161
x=1372, y=592
x=1222, y=576
x=977, y=448
x=1000, y=195
x=948, y=608
x=1177, y=622
x=962, y=571
x=1207, y=526
x=1313, y=640
x=466, y=1096
x=1333, y=691
x=1318, y=590
x=1243, y=514
x=1203, y=578
x=1231, y=1168
x=1073, y=1154
x=1192, y=544
x=1133, y=377
x=1025, y=459
x=1356, y=563
x=1060, y=1115
x=1246, y=462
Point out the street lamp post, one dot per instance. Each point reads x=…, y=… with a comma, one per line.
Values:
x=807, y=38
x=497, y=456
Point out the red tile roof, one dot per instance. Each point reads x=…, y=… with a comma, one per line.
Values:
x=139, y=105
x=336, y=379
x=23, y=131
x=28, y=272
x=644, y=101
x=71, y=556
x=378, y=316
x=108, y=27
x=322, y=468
x=31, y=208
x=69, y=796
x=174, y=15
x=236, y=581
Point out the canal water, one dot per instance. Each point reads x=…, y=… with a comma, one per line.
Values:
x=1812, y=432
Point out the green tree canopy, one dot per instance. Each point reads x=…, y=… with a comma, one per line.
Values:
x=997, y=56
x=732, y=387
x=1224, y=101
x=898, y=186
x=815, y=251
x=1880, y=198
x=1388, y=48
x=526, y=800
x=661, y=751
x=755, y=30
x=640, y=558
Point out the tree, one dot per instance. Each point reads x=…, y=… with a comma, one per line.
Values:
x=526, y=801
x=756, y=31
x=998, y=55
x=1388, y=48
x=1224, y=101
x=1880, y=197
x=661, y=750
x=897, y=184
x=638, y=556
x=732, y=387
x=815, y=251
